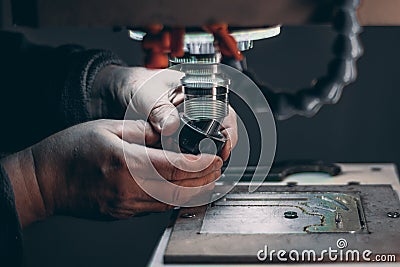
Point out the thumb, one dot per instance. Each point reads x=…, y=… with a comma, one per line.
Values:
x=152, y=99
x=165, y=118
x=138, y=132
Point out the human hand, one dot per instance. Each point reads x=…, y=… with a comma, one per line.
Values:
x=122, y=88
x=154, y=100
x=86, y=171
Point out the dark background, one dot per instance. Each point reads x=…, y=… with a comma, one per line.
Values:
x=362, y=127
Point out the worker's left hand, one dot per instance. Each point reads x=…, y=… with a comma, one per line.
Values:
x=117, y=87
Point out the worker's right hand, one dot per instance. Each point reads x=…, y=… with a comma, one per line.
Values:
x=87, y=170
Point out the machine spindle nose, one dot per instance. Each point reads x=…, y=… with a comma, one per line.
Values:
x=206, y=105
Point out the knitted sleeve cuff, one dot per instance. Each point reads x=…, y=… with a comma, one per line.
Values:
x=82, y=72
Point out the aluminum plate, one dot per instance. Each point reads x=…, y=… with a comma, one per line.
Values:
x=263, y=213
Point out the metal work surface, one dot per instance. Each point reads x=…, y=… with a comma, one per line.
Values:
x=288, y=212
x=199, y=240
x=369, y=174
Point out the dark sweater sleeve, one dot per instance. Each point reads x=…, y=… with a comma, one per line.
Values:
x=78, y=83
x=10, y=229
x=44, y=89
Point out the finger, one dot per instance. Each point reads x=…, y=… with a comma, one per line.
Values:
x=226, y=150
x=138, y=131
x=152, y=100
x=231, y=134
x=229, y=130
x=153, y=163
x=176, y=96
x=171, y=144
x=136, y=208
x=209, y=178
x=154, y=207
x=232, y=137
x=164, y=117
x=175, y=166
x=198, y=194
x=181, y=192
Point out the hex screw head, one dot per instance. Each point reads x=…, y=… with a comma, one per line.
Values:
x=290, y=214
x=376, y=169
x=188, y=215
x=393, y=214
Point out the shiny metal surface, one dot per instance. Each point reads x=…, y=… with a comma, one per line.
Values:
x=262, y=213
x=205, y=90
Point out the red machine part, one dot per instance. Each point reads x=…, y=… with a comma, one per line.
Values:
x=159, y=42
x=226, y=43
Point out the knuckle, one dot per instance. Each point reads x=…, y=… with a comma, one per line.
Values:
x=156, y=111
x=119, y=127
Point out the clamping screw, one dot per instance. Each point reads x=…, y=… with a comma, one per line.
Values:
x=393, y=214
x=290, y=214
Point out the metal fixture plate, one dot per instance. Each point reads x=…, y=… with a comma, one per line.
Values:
x=196, y=240
x=286, y=212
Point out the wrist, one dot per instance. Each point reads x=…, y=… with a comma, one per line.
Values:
x=30, y=205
